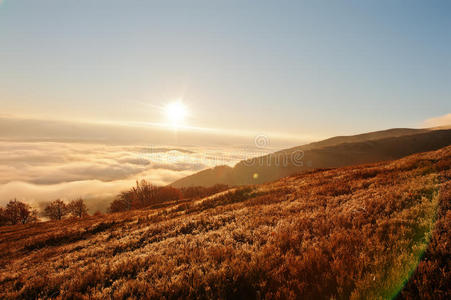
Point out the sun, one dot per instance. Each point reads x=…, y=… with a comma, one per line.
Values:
x=176, y=112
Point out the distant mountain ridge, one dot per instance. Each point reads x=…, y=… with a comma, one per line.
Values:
x=330, y=153
x=370, y=136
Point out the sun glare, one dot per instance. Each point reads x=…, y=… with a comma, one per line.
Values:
x=176, y=112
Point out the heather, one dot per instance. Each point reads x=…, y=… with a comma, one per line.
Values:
x=372, y=231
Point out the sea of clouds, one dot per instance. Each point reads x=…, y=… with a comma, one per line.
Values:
x=38, y=172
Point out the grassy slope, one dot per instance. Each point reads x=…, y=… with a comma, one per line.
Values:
x=354, y=232
x=330, y=153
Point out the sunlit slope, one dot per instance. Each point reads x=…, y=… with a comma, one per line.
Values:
x=363, y=137
x=354, y=232
x=331, y=153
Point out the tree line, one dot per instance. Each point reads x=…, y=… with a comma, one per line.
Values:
x=142, y=195
x=145, y=194
x=17, y=212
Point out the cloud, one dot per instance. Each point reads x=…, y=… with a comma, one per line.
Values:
x=52, y=163
x=37, y=172
x=42, y=160
x=94, y=191
x=444, y=120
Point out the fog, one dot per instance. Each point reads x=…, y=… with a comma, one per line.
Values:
x=37, y=172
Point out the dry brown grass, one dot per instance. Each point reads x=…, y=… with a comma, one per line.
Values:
x=355, y=232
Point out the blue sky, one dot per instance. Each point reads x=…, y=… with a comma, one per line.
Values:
x=294, y=67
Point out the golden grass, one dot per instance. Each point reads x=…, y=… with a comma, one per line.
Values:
x=355, y=232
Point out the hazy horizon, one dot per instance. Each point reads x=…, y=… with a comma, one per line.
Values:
x=296, y=68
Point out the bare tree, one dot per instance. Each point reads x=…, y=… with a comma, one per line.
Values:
x=17, y=212
x=142, y=195
x=56, y=210
x=77, y=208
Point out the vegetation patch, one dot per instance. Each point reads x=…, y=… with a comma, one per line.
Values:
x=366, y=232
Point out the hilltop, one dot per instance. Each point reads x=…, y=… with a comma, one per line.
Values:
x=331, y=153
x=351, y=232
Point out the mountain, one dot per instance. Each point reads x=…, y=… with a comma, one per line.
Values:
x=330, y=153
x=371, y=231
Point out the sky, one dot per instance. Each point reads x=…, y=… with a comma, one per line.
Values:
x=301, y=69
x=86, y=85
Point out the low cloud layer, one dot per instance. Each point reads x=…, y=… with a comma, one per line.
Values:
x=444, y=120
x=41, y=171
x=42, y=160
